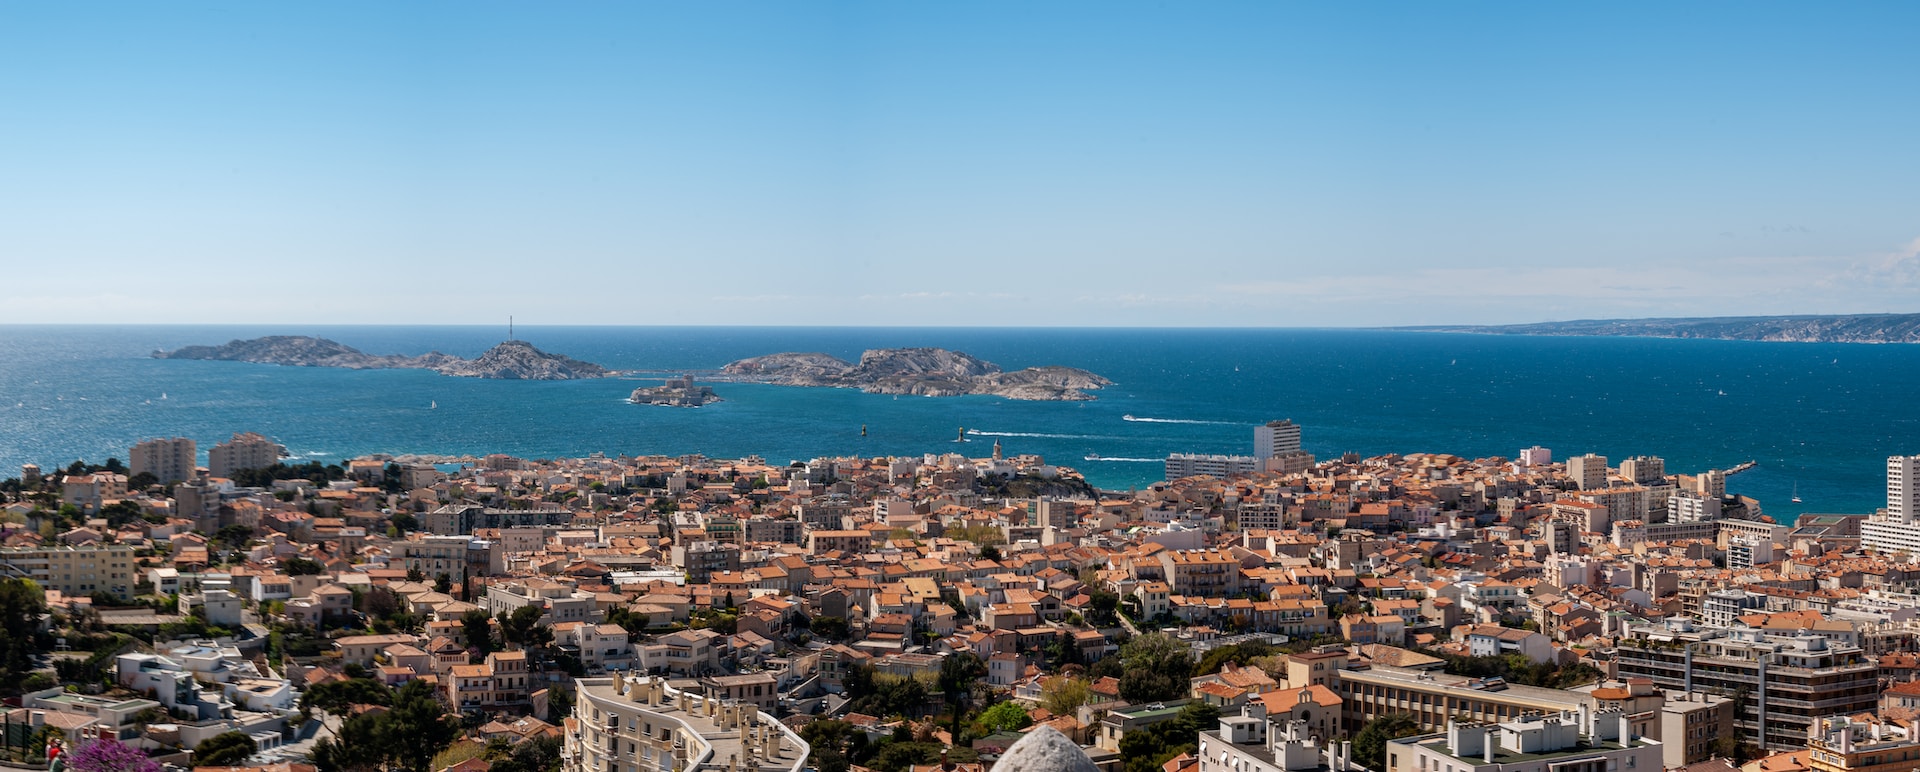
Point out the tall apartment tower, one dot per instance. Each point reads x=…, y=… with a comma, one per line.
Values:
x=169, y=461
x=1644, y=470
x=1536, y=456
x=1903, y=489
x=1274, y=438
x=245, y=451
x=1588, y=471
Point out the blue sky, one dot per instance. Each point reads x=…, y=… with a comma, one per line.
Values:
x=1238, y=164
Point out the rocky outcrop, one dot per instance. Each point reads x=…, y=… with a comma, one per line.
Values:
x=518, y=360
x=1859, y=328
x=923, y=372
x=511, y=360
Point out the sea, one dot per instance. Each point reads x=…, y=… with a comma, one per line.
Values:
x=1820, y=419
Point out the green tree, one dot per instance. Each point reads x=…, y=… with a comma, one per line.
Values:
x=1154, y=667
x=1005, y=717
x=22, y=607
x=338, y=696
x=1064, y=695
x=478, y=626
x=304, y=567
x=958, y=672
x=541, y=754
x=1370, y=745
x=516, y=626
x=227, y=749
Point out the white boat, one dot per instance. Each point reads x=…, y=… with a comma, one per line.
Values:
x=1128, y=417
x=1093, y=457
x=433, y=405
x=1796, y=492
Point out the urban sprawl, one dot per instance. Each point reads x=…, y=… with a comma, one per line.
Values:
x=1257, y=613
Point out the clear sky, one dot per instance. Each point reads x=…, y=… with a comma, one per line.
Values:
x=1052, y=163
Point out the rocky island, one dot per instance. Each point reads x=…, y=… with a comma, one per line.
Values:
x=676, y=392
x=511, y=360
x=927, y=372
x=1853, y=328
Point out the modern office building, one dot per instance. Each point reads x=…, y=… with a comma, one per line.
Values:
x=169, y=461
x=1779, y=684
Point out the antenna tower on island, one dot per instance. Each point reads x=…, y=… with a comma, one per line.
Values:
x=509, y=326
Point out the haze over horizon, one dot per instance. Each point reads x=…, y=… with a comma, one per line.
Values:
x=1072, y=164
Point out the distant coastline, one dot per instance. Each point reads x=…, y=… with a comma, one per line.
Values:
x=1843, y=328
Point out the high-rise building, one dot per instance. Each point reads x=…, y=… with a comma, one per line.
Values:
x=1903, y=488
x=1644, y=470
x=1588, y=471
x=1897, y=528
x=1536, y=456
x=245, y=451
x=1274, y=438
x=169, y=461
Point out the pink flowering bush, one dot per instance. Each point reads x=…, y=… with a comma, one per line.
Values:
x=109, y=755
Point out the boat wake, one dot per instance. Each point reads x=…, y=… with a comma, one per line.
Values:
x=1128, y=460
x=1041, y=435
x=1139, y=420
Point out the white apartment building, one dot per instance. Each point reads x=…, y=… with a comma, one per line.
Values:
x=1274, y=438
x=1895, y=529
x=639, y=724
x=1586, y=741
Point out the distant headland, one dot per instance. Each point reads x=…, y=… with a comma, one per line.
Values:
x=927, y=372
x=1849, y=328
x=511, y=360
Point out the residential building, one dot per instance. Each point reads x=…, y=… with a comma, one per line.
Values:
x=1254, y=742
x=1274, y=438
x=1780, y=683
x=639, y=724
x=1585, y=741
x=1206, y=573
x=1691, y=725
x=1897, y=528
x=1844, y=744
x=1180, y=465
x=78, y=571
x=1432, y=698
x=246, y=450
x=1588, y=472
x=169, y=461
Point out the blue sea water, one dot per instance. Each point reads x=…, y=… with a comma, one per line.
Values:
x=1822, y=417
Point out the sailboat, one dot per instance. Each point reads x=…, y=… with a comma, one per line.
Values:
x=963, y=435
x=863, y=430
x=433, y=404
x=1796, y=491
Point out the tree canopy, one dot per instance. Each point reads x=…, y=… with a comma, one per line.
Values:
x=227, y=749
x=1154, y=667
